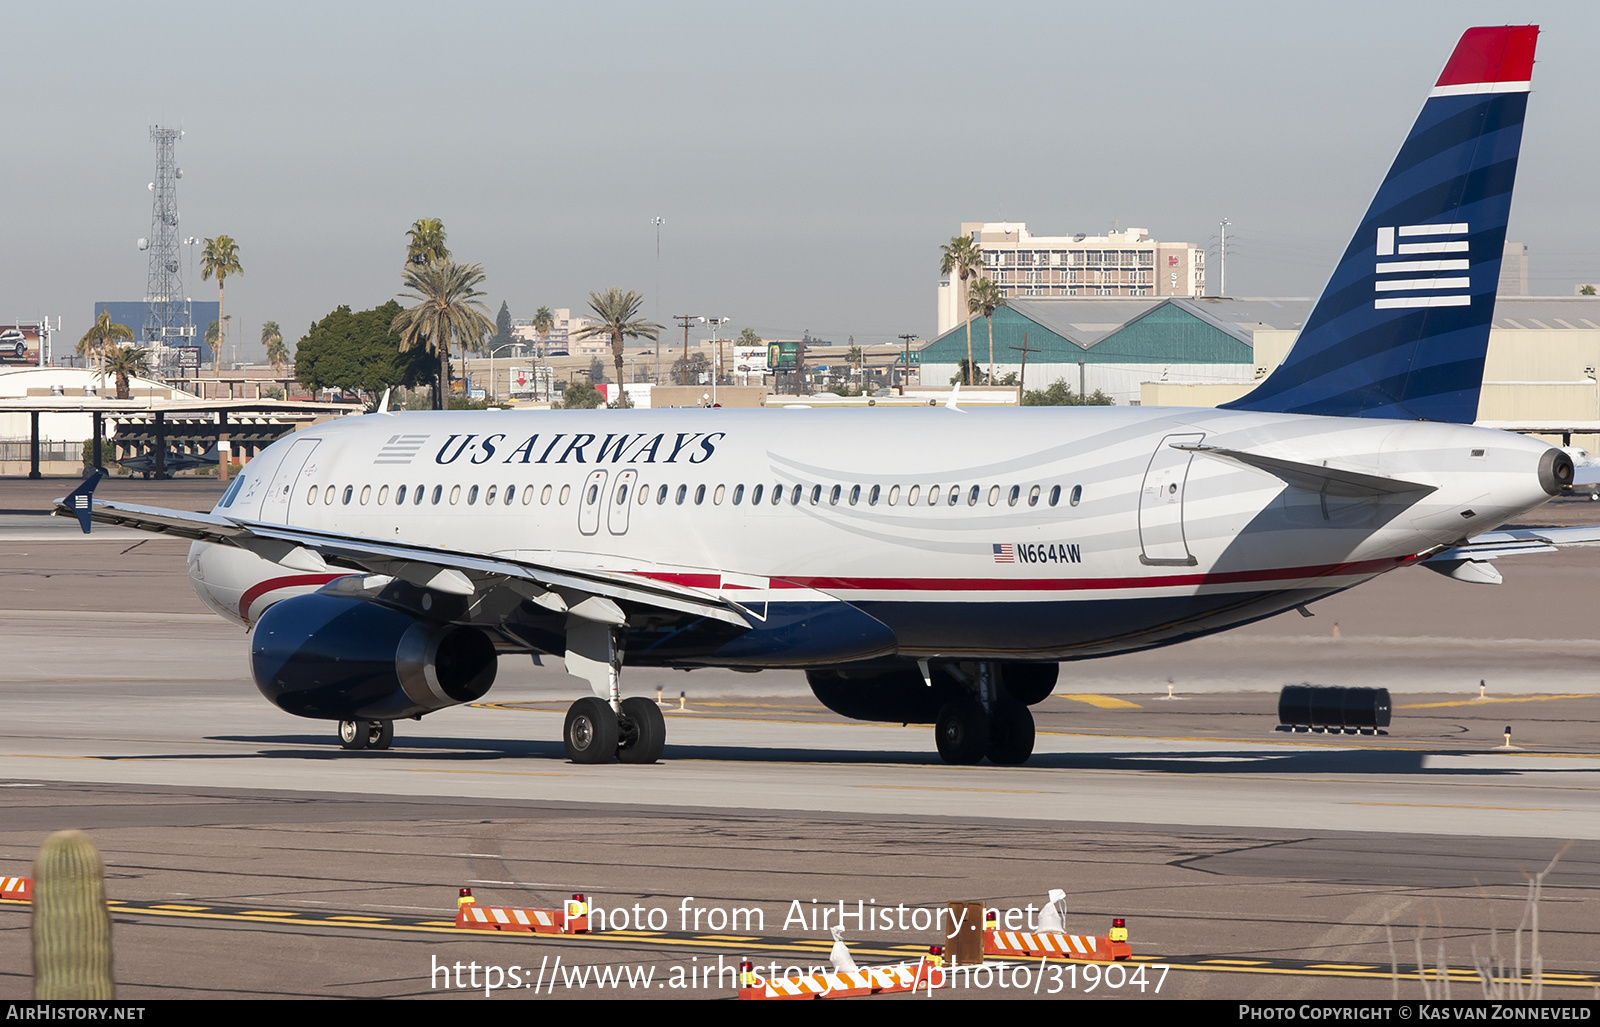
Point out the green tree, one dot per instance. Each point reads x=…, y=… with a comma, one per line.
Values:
x=426, y=242
x=219, y=260
x=502, y=328
x=618, y=315
x=748, y=337
x=360, y=352
x=985, y=299
x=854, y=358
x=213, y=339
x=447, y=310
x=577, y=395
x=101, y=337
x=698, y=364
x=963, y=258
x=1060, y=394
x=126, y=362
x=1587, y=290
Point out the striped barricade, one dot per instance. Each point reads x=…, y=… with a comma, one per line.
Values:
x=16, y=889
x=473, y=917
x=1051, y=945
x=869, y=980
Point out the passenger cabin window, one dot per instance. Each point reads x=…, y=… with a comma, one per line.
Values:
x=872, y=497
x=488, y=497
x=400, y=496
x=994, y=495
x=833, y=496
x=327, y=496
x=622, y=494
x=1077, y=494
x=855, y=494
x=738, y=494
x=544, y=496
x=911, y=495
x=366, y=494
x=438, y=494
x=455, y=494
x=795, y=501
x=1014, y=495
x=699, y=494
x=311, y=497
x=349, y=490
x=1055, y=494
x=661, y=496
x=1033, y=496
x=755, y=496
x=933, y=495
x=566, y=494
x=472, y=496
x=643, y=494
x=955, y=495
x=383, y=495
x=816, y=494
x=683, y=490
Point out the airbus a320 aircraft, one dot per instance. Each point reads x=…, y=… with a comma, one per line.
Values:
x=388, y=561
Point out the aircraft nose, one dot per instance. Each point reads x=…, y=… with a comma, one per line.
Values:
x=1555, y=471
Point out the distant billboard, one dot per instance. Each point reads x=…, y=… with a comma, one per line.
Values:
x=19, y=345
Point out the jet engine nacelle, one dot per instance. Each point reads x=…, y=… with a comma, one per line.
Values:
x=343, y=658
x=900, y=695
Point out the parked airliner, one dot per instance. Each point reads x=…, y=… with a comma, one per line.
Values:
x=931, y=566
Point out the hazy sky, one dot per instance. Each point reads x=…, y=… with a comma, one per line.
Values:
x=809, y=159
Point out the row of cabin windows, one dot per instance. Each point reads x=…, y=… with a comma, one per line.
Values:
x=420, y=495
x=953, y=495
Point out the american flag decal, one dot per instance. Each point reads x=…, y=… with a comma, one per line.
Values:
x=400, y=449
x=1005, y=552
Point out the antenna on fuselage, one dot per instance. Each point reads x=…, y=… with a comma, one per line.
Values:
x=383, y=404
x=955, y=394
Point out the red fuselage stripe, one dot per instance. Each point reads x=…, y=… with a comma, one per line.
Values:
x=261, y=588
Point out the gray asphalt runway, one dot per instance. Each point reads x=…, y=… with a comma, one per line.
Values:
x=1258, y=863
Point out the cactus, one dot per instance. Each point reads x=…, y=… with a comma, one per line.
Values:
x=71, y=925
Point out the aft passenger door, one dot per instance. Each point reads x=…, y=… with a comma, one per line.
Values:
x=1161, y=538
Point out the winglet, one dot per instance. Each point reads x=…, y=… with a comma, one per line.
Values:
x=80, y=501
x=955, y=394
x=383, y=406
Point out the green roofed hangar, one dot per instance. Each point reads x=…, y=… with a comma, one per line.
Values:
x=1115, y=344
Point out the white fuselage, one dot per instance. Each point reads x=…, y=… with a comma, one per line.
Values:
x=1034, y=533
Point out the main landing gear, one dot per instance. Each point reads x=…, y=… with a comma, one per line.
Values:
x=366, y=734
x=987, y=722
x=604, y=726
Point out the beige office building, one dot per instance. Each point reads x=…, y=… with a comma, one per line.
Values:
x=1119, y=263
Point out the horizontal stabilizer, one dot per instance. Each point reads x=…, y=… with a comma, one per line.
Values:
x=1327, y=481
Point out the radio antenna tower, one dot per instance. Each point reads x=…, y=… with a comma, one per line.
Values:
x=170, y=322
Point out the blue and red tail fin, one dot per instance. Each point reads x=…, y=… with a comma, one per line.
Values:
x=1402, y=328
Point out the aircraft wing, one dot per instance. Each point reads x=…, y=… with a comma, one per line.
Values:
x=588, y=594
x=1469, y=561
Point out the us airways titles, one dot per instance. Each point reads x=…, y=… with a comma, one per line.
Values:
x=582, y=448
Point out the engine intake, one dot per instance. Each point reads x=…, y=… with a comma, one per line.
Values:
x=343, y=658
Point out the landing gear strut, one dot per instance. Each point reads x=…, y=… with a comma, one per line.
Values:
x=987, y=722
x=366, y=734
x=604, y=726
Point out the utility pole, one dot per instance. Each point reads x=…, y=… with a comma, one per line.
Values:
x=685, y=319
x=658, y=222
x=906, y=373
x=1022, y=379
x=1223, y=286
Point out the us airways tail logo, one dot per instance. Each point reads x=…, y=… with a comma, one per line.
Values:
x=1423, y=250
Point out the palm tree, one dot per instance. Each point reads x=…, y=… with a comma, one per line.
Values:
x=220, y=258
x=277, y=352
x=963, y=258
x=214, y=340
x=447, y=308
x=618, y=315
x=985, y=299
x=427, y=242
x=102, y=337
x=853, y=356
x=125, y=362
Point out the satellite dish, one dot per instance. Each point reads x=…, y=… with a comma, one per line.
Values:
x=151, y=186
x=144, y=244
x=179, y=173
